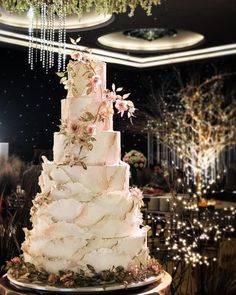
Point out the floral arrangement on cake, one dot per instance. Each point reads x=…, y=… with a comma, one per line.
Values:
x=82, y=130
x=26, y=272
x=135, y=159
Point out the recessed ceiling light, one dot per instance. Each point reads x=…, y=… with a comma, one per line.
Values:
x=151, y=39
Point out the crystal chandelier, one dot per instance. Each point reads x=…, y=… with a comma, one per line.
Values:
x=47, y=23
x=47, y=33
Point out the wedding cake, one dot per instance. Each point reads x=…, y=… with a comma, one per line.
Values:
x=86, y=214
x=86, y=221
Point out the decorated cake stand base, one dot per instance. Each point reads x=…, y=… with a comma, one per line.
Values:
x=154, y=285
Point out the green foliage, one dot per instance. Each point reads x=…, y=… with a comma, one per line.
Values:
x=75, y=6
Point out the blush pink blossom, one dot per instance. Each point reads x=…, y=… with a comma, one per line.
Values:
x=95, y=82
x=121, y=105
x=91, y=129
x=77, y=55
x=74, y=127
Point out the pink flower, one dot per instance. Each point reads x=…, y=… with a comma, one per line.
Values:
x=74, y=127
x=110, y=95
x=77, y=56
x=94, y=82
x=121, y=106
x=91, y=129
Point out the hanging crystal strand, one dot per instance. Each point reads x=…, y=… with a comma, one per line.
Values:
x=31, y=37
x=64, y=39
x=47, y=38
x=53, y=36
x=50, y=27
x=43, y=33
x=60, y=34
x=36, y=35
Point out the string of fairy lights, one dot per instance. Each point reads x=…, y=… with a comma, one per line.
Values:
x=194, y=131
x=194, y=136
x=189, y=231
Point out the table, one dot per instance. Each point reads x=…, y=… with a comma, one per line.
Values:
x=161, y=288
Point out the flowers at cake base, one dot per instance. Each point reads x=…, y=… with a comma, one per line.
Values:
x=26, y=272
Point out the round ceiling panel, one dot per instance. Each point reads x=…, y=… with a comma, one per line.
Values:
x=150, y=39
x=73, y=22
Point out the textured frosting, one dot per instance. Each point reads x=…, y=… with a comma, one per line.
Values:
x=75, y=180
x=96, y=215
x=73, y=108
x=85, y=216
x=72, y=252
x=106, y=149
x=77, y=73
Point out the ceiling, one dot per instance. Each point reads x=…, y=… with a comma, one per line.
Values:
x=213, y=19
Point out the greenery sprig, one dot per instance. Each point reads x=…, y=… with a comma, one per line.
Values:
x=27, y=272
x=81, y=6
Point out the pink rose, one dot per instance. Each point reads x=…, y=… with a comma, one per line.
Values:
x=121, y=105
x=94, y=82
x=91, y=129
x=74, y=127
x=77, y=55
x=110, y=95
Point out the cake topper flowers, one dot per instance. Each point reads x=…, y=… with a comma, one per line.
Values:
x=82, y=130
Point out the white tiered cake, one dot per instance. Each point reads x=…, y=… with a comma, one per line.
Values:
x=86, y=214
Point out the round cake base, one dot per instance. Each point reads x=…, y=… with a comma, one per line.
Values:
x=40, y=288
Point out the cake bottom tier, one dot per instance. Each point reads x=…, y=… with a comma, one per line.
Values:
x=73, y=253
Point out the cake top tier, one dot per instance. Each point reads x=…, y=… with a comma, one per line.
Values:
x=86, y=77
x=88, y=107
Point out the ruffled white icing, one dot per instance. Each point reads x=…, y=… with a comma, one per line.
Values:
x=94, y=180
x=97, y=218
x=106, y=149
x=75, y=253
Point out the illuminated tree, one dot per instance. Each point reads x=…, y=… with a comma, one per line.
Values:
x=197, y=126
